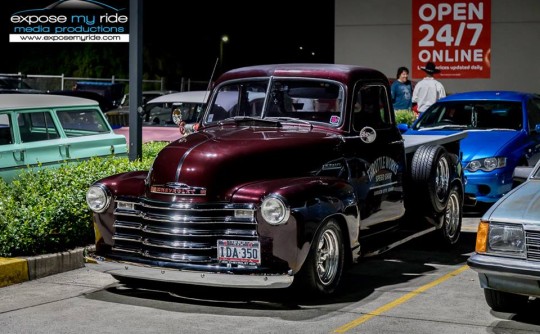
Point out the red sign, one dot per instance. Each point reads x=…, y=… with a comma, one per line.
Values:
x=455, y=35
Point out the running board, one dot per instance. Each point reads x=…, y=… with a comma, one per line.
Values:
x=401, y=240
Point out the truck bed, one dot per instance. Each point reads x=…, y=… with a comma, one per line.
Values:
x=413, y=142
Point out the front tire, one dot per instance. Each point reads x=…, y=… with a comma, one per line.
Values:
x=323, y=268
x=504, y=301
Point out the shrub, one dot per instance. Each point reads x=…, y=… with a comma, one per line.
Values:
x=404, y=116
x=44, y=210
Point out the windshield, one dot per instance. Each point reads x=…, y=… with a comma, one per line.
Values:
x=286, y=99
x=482, y=115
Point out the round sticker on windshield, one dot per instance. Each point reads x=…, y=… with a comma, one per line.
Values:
x=368, y=134
x=334, y=119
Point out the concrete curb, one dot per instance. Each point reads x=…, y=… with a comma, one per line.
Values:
x=18, y=270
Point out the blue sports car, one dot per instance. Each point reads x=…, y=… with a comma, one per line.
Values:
x=503, y=132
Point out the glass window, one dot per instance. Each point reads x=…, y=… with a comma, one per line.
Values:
x=533, y=111
x=371, y=108
x=288, y=99
x=308, y=100
x=36, y=126
x=238, y=99
x=82, y=122
x=473, y=115
x=6, y=136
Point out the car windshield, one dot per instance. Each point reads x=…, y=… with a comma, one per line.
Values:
x=481, y=115
x=285, y=100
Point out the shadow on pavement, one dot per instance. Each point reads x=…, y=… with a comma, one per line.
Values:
x=361, y=282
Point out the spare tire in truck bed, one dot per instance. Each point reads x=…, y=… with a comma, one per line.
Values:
x=430, y=176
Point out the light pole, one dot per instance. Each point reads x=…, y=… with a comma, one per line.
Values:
x=224, y=39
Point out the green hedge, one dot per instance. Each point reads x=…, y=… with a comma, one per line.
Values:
x=44, y=210
x=405, y=117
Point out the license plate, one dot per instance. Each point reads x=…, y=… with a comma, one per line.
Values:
x=239, y=252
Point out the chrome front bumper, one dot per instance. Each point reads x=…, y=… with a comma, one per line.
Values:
x=122, y=269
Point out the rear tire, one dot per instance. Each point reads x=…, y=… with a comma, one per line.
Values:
x=323, y=268
x=430, y=175
x=501, y=301
x=451, y=227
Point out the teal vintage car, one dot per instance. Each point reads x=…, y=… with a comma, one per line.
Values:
x=40, y=130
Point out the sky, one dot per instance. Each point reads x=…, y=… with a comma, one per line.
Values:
x=188, y=35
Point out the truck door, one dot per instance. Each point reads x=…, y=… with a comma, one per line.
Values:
x=377, y=157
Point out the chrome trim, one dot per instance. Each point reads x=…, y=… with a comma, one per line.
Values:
x=179, y=232
x=159, y=274
x=502, y=266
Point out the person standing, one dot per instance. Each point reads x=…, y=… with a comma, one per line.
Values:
x=401, y=90
x=428, y=90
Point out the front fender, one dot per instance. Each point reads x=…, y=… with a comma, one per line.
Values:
x=312, y=200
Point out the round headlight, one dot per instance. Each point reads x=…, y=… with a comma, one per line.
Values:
x=490, y=164
x=97, y=198
x=274, y=210
x=474, y=165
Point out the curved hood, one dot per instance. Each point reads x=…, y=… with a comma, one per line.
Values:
x=209, y=164
x=482, y=144
x=523, y=204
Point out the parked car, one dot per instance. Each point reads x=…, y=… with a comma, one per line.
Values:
x=159, y=123
x=120, y=117
x=503, y=132
x=111, y=91
x=296, y=171
x=15, y=84
x=41, y=130
x=190, y=104
x=104, y=103
x=507, y=255
x=147, y=95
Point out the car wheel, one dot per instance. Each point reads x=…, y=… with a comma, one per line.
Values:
x=452, y=217
x=430, y=174
x=323, y=268
x=504, y=301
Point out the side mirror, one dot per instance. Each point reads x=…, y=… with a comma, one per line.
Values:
x=537, y=128
x=403, y=127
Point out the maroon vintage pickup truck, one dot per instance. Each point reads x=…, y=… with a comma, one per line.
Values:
x=296, y=171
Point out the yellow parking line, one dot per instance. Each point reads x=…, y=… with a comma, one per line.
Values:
x=398, y=301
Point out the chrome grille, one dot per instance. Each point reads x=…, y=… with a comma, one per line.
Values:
x=179, y=233
x=532, y=240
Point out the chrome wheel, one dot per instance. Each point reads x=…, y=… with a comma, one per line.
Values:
x=442, y=177
x=323, y=268
x=451, y=227
x=327, y=256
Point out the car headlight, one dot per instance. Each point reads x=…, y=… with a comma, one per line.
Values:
x=486, y=164
x=98, y=198
x=506, y=239
x=274, y=210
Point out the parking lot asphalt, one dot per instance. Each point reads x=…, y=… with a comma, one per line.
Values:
x=21, y=269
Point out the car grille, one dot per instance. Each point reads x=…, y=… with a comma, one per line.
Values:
x=532, y=240
x=180, y=233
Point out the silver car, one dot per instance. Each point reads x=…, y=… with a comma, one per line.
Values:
x=507, y=254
